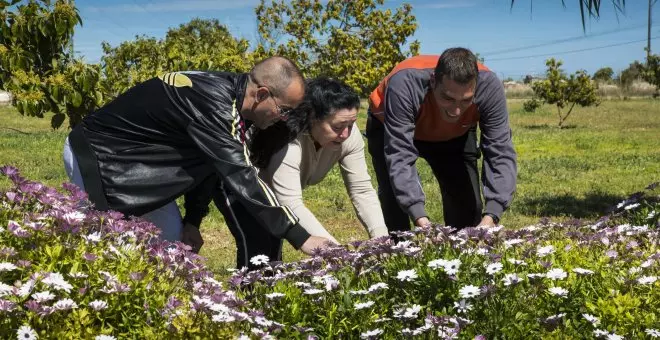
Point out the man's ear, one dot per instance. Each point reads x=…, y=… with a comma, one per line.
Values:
x=262, y=94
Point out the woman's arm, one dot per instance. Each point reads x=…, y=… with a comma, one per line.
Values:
x=358, y=184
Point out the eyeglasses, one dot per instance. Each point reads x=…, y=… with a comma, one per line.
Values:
x=284, y=112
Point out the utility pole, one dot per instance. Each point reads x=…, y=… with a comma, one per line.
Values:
x=648, y=39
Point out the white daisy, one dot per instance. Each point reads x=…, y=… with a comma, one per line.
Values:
x=104, y=337
x=377, y=287
x=462, y=306
x=631, y=206
x=558, y=291
x=94, y=237
x=510, y=243
x=516, y=262
x=261, y=321
x=493, y=268
x=646, y=280
x=98, y=305
x=556, y=274
x=435, y=264
x=359, y=292
x=363, y=305
x=591, y=318
x=469, y=291
x=223, y=317
x=452, y=266
x=583, y=271
x=43, y=296
x=259, y=260
x=647, y=263
x=6, y=266
x=372, y=333
x=547, y=250
x=56, y=281
x=600, y=332
x=511, y=279
x=275, y=295
x=654, y=333
x=65, y=304
x=408, y=313
x=26, y=332
x=407, y=275
x=312, y=291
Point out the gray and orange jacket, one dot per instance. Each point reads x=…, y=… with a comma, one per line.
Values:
x=403, y=101
x=162, y=138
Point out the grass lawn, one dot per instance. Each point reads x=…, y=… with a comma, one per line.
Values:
x=604, y=154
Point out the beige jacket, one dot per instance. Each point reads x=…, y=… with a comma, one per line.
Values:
x=299, y=165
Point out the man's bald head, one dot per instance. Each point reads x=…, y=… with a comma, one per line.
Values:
x=276, y=88
x=277, y=73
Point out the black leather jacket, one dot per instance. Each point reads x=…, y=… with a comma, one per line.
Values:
x=166, y=136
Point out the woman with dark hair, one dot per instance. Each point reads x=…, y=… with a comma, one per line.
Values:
x=329, y=136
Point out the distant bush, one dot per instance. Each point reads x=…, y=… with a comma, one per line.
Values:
x=531, y=105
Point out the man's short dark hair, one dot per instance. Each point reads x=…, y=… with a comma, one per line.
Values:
x=459, y=64
x=276, y=73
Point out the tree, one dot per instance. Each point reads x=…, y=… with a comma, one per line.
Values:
x=563, y=91
x=197, y=45
x=354, y=41
x=651, y=72
x=35, y=67
x=604, y=74
x=630, y=74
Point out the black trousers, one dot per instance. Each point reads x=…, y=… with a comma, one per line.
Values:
x=454, y=164
x=251, y=238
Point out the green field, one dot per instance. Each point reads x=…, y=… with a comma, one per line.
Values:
x=603, y=154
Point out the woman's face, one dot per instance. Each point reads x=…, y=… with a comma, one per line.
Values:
x=334, y=129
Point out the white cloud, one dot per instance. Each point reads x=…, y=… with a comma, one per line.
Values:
x=175, y=6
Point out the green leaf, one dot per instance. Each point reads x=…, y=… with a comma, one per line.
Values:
x=76, y=100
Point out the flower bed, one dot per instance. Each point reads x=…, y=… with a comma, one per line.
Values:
x=67, y=271
x=571, y=280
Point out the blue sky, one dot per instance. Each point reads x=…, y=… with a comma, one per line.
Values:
x=513, y=42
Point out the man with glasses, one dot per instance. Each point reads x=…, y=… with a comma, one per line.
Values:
x=185, y=131
x=429, y=107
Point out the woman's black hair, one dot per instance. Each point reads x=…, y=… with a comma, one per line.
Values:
x=323, y=97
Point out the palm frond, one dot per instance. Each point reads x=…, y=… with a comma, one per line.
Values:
x=591, y=8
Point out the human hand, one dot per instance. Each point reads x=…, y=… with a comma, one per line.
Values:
x=315, y=242
x=422, y=222
x=486, y=221
x=191, y=236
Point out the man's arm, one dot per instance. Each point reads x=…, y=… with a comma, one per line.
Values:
x=499, y=166
x=401, y=105
x=196, y=201
x=219, y=142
